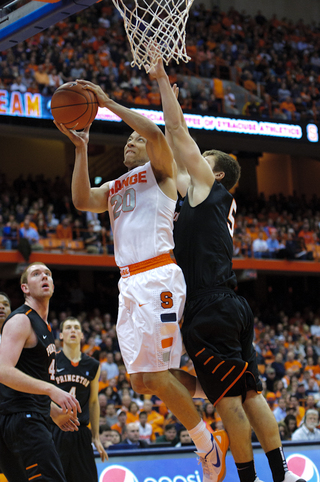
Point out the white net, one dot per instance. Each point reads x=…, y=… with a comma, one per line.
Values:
x=155, y=22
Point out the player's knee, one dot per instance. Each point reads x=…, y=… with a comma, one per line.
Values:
x=155, y=381
x=137, y=384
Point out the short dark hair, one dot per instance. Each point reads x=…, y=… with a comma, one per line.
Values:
x=143, y=412
x=70, y=318
x=227, y=164
x=104, y=427
x=169, y=427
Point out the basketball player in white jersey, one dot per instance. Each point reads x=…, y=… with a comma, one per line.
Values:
x=141, y=206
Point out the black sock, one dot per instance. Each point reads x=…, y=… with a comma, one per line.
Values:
x=247, y=471
x=278, y=464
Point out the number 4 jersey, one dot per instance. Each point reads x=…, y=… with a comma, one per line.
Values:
x=38, y=362
x=75, y=378
x=141, y=216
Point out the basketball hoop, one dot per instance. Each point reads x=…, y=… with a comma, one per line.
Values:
x=155, y=22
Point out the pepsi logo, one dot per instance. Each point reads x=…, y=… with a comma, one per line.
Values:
x=117, y=473
x=303, y=467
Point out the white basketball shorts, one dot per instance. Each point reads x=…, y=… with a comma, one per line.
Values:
x=151, y=305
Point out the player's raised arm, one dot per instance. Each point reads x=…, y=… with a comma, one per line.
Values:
x=185, y=149
x=84, y=197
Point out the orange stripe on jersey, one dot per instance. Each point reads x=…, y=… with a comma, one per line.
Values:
x=74, y=364
x=35, y=477
x=161, y=260
x=167, y=342
x=29, y=311
x=228, y=373
x=231, y=384
x=217, y=366
x=31, y=466
x=199, y=352
x=207, y=361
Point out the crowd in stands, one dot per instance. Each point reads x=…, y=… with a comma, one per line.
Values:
x=278, y=60
x=41, y=211
x=288, y=356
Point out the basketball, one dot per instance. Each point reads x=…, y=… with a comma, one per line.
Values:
x=74, y=106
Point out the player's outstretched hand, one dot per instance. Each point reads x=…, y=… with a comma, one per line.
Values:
x=103, y=454
x=101, y=96
x=65, y=400
x=157, y=71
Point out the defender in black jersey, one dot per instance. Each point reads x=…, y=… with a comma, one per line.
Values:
x=218, y=324
x=27, y=373
x=78, y=373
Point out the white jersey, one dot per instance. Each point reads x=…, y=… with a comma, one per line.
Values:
x=141, y=217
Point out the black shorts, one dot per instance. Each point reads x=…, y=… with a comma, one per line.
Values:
x=27, y=449
x=76, y=454
x=218, y=335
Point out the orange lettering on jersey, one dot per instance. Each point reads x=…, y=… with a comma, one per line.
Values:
x=142, y=176
x=117, y=186
x=51, y=349
x=125, y=182
x=133, y=179
x=111, y=192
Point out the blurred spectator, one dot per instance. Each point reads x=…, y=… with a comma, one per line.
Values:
x=230, y=102
x=170, y=435
x=291, y=424
x=280, y=411
x=154, y=418
x=18, y=85
x=31, y=234
x=103, y=404
x=308, y=430
x=184, y=438
x=111, y=416
x=10, y=235
x=273, y=245
x=133, y=412
x=92, y=239
x=260, y=247
x=64, y=229
x=278, y=366
x=42, y=78
x=103, y=381
x=130, y=435
x=289, y=109
x=120, y=424
x=110, y=366
x=145, y=428
x=283, y=431
x=105, y=435
x=112, y=395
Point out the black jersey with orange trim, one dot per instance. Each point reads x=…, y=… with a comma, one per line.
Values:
x=38, y=362
x=75, y=378
x=203, y=241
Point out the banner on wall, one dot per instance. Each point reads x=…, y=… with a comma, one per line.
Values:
x=37, y=106
x=303, y=463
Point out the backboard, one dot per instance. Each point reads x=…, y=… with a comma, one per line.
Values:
x=20, y=20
